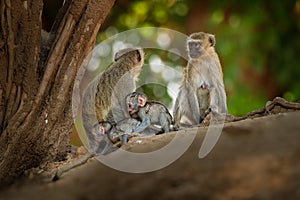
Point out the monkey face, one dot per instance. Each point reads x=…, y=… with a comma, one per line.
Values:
x=101, y=128
x=195, y=49
x=132, y=108
x=98, y=132
x=198, y=43
x=134, y=101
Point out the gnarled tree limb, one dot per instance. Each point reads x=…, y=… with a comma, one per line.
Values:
x=38, y=123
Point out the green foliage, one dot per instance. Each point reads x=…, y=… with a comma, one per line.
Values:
x=155, y=13
x=258, y=43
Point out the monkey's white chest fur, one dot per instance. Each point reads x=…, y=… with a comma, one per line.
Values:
x=201, y=73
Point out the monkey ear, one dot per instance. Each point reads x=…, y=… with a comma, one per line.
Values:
x=212, y=40
x=141, y=101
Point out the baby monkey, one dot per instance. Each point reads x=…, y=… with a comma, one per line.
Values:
x=149, y=113
x=111, y=134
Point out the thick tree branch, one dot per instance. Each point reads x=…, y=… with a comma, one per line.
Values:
x=79, y=46
x=20, y=32
x=11, y=46
x=40, y=109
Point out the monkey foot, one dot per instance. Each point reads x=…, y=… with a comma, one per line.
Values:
x=216, y=118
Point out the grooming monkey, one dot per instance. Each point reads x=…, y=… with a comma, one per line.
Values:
x=202, y=89
x=149, y=113
x=103, y=100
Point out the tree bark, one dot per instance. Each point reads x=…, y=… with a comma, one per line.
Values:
x=37, y=78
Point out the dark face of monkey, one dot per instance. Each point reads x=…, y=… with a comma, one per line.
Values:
x=134, y=101
x=100, y=129
x=198, y=43
x=194, y=49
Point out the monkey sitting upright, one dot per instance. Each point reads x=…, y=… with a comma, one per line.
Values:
x=202, y=89
x=103, y=99
x=149, y=113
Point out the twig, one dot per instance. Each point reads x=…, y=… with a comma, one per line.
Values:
x=283, y=103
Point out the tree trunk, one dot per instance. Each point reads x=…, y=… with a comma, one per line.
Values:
x=37, y=77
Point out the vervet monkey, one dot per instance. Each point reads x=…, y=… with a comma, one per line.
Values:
x=150, y=113
x=111, y=134
x=104, y=98
x=119, y=131
x=202, y=89
x=99, y=141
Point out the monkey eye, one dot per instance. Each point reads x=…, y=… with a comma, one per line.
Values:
x=195, y=45
x=129, y=105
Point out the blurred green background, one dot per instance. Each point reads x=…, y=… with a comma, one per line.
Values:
x=258, y=43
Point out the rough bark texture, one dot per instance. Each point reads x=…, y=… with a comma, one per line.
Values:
x=37, y=77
